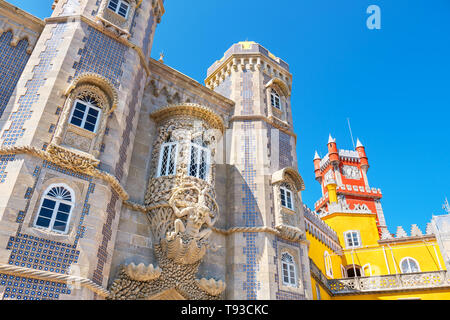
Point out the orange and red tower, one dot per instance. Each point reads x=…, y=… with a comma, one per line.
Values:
x=345, y=187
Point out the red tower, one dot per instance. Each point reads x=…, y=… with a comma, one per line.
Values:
x=345, y=187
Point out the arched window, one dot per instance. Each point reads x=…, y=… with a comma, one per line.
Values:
x=275, y=99
x=353, y=271
x=86, y=113
x=288, y=269
x=168, y=159
x=56, y=208
x=120, y=7
x=286, y=198
x=409, y=265
x=328, y=264
x=199, y=160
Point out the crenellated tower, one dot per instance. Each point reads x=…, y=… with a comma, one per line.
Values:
x=342, y=175
x=264, y=212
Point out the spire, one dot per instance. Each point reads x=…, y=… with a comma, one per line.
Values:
x=358, y=143
x=316, y=156
x=330, y=139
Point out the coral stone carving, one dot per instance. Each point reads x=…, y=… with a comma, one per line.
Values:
x=212, y=286
x=142, y=272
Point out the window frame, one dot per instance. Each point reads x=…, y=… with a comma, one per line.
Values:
x=328, y=264
x=409, y=265
x=55, y=210
x=274, y=98
x=85, y=115
x=200, y=149
x=119, y=5
x=352, y=239
x=291, y=196
x=161, y=154
x=291, y=270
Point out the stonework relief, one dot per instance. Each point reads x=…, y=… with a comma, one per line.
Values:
x=182, y=211
x=77, y=141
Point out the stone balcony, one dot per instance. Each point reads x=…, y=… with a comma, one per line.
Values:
x=397, y=282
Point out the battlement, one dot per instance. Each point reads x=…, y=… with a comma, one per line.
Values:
x=415, y=233
x=323, y=232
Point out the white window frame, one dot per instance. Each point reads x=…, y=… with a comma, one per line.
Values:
x=200, y=149
x=347, y=245
x=318, y=295
x=343, y=272
x=55, y=209
x=161, y=154
x=328, y=264
x=119, y=5
x=274, y=99
x=409, y=264
x=291, y=271
x=83, y=121
x=287, y=192
x=369, y=267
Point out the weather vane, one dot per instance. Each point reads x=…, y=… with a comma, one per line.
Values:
x=161, y=57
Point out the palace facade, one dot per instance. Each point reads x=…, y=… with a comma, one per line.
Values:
x=122, y=178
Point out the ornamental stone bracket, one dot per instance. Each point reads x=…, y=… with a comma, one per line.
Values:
x=75, y=161
x=181, y=225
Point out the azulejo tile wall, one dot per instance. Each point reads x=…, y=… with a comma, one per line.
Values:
x=250, y=214
x=101, y=55
x=42, y=254
x=23, y=112
x=286, y=158
x=12, y=63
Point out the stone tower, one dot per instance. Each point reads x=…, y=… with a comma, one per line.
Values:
x=66, y=136
x=264, y=212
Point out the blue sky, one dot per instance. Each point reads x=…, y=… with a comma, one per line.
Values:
x=392, y=83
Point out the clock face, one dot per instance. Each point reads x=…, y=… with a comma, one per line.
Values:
x=351, y=172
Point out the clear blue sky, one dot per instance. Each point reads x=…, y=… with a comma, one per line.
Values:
x=392, y=83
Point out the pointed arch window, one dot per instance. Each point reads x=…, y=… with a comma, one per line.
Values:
x=275, y=99
x=55, y=209
x=86, y=113
x=168, y=159
x=288, y=270
x=409, y=265
x=200, y=159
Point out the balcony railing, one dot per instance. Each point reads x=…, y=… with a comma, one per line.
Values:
x=398, y=282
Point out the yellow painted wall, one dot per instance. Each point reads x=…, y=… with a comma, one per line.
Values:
x=316, y=253
x=436, y=294
x=323, y=293
x=365, y=223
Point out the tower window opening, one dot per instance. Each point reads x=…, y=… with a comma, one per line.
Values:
x=353, y=271
x=288, y=269
x=120, y=7
x=286, y=198
x=55, y=210
x=352, y=239
x=85, y=114
x=275, y=99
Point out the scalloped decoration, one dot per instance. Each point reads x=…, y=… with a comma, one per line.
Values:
x=211, y=286
x=142, y=272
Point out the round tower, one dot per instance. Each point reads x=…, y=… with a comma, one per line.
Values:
x=362, y=155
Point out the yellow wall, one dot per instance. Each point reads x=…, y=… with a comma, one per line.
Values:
x=383, y=262
x=323, y=293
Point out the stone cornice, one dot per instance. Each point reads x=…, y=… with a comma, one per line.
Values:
x=197, y=88
x=100, y=28
x=26, y=19
x=262, y=62
x=268, y=120
x=408, y=239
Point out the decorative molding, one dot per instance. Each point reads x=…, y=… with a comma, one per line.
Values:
x=52, y=276
x=285, y=173
x=142, y=272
